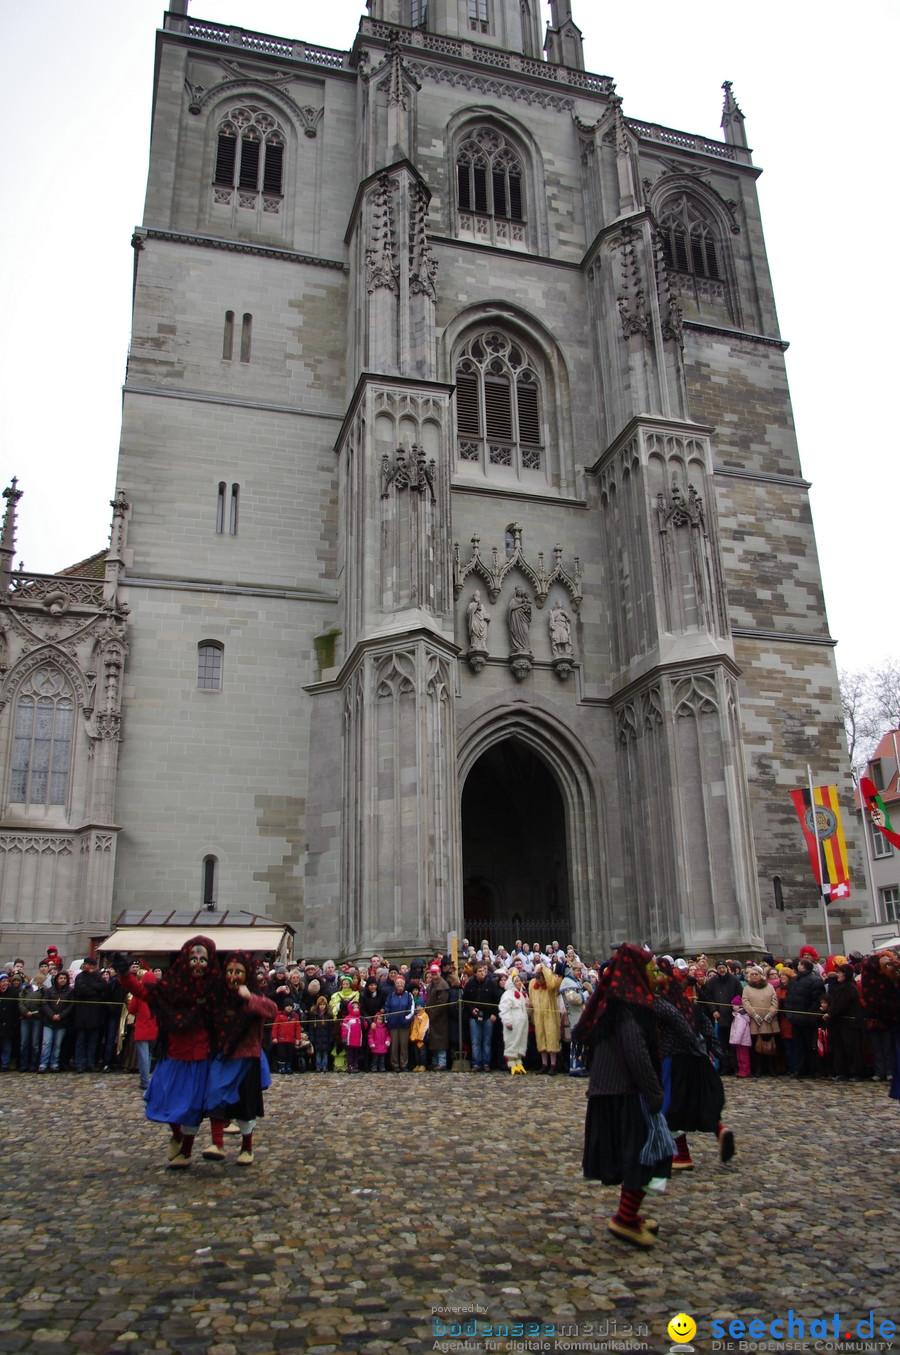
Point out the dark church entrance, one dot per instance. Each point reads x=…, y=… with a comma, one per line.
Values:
x=515, y=873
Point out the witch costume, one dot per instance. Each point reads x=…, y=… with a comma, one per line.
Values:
x=239, y=1073
x=625, y=1089
x=693, y=1090
x=183, y=1001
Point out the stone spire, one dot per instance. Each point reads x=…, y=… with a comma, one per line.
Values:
x=732, y=119
x=628, y=196
x=398, y=88
x=563, y=43
x=12, y=495
x=178, y=6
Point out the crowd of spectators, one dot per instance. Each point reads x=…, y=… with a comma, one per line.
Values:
x=800, y=1017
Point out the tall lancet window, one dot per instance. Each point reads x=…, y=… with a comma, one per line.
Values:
x=248, y=173
x=693, y=250
x=42, y=740
x=489, y=187
x=418, y=13
x=498, y=410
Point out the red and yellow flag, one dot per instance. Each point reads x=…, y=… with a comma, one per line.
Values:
x=828, y=851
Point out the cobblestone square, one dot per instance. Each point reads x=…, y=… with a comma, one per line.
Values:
x=388, y=1212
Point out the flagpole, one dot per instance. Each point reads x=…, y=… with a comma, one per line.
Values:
x=820, y=856
x=870, y=868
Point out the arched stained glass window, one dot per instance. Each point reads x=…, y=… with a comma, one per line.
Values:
x=42, y=740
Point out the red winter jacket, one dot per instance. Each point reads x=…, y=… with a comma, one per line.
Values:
x=286, y=1028
x=145, y=1027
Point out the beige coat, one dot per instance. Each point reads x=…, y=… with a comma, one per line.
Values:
x=763, y=1003
x=545, y=1009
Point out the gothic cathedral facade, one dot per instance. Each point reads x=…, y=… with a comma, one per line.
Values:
x=462, y=574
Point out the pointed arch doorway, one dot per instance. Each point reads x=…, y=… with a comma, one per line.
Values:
x=514, y=849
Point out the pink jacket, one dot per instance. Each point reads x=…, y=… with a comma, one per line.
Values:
x=352, y=1031
x=740, y=1027
x=379, y=1038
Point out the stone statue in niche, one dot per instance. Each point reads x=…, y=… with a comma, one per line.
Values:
x=518, y=621
x=560, y=625
x=478, y=621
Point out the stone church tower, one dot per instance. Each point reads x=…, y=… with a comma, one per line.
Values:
x=470, y=580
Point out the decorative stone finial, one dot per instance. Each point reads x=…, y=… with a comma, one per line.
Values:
x=732, y=119
x=12, y=494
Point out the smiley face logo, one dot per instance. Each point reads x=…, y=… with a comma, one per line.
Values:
x=682, y=1328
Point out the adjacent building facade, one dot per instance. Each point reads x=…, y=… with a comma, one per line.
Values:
x=462, y=572
x=883, y=859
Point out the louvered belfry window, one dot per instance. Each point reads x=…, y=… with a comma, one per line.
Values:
x=250, y=152
x=489, y=176
x=498, y=414
x=689, y=241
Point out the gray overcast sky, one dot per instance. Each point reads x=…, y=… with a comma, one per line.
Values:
x=814, y=82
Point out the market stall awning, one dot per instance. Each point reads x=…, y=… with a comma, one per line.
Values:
x=158, y=932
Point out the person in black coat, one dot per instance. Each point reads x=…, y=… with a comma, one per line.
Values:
x=90, y=1014
x=9, y=1022
x=481, y=997
x=720, y=990
x=803, y=1008
x=844, y=1021
x=371, y=1001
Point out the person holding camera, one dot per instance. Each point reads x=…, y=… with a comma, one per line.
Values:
x=481, y=998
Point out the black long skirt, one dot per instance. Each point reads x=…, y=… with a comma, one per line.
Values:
x=249, y=1102
x=615, y=1131
x=695, y=1097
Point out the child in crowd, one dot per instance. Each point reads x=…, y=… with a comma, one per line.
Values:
x=321, y=1032
x=352, y=1034
x=286, y=1038
x=379, y=1042
x=418, y=1031
x=740, y=1037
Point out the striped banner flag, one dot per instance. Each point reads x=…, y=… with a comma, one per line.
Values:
x=877, y=812
x=828, y=853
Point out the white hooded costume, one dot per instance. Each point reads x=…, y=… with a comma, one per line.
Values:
x=514, y=1019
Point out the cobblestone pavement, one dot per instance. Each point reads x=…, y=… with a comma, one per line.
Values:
x=375, y=1202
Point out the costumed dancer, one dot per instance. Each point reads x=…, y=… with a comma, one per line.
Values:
x=239, y=1074
x=183, y=1002
x=514, y=1021
x=693, y=1090
x=618, y=1025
